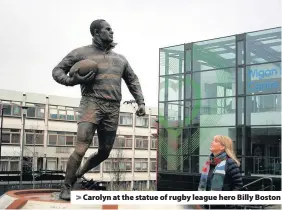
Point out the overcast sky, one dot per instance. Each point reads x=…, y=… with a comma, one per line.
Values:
x=36, y=35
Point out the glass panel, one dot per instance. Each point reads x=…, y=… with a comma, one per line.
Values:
x=240, y=111
x=171, y=60
x=264, y=109
x=70, y=115
x=240, y=78
x=29, y=138
x=15, y=138
x=53, y=139
x=31, y=112
x=5, y=138
x=187, y=119
x=125, y=119
x=214, y=54
x=214, y=112
x=211, y=84
x=40, y=112
x=69, y=140
x=61, y=140
x=187, y=86
x=171, y=115
x=7, y=109
x=53, y=113
x=171, y=87
x=264, y=78
x=263, y=46
x=201, y=140
x=16, y=110
x=62, y=114
x=14, y=166
x=188, y=61
x=264, y=150
x=39, y=138
x=240, y=52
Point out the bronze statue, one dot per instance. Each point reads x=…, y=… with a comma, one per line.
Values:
x=100, y=102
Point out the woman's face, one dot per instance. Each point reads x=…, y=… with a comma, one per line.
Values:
x=216, y=147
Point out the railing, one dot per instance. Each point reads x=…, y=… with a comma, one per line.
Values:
x=270, y=187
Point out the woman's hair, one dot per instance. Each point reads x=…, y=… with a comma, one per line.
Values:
x=228, y=144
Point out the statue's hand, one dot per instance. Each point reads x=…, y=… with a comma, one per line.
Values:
x=77, y=79
x=141, y=110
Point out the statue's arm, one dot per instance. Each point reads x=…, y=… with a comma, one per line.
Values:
x=60, y=72
x=133, y=84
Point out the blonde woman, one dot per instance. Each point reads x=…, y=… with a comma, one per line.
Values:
x=221, y=171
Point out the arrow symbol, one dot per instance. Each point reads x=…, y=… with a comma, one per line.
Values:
x=78, y=197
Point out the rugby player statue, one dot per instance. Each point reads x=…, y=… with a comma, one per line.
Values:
x=99, y=72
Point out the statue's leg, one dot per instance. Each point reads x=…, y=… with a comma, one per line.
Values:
x=85, y=133
x=106, y=134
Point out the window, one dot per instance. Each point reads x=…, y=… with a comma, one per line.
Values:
x=263, y=46
x=263, y=109
x=153, y=121
x=64, y=162
x=153, y=143
x=172, y=114
x=214, y=112
x=51, y=163
x=119, y=142
x=35, y=110
x=171, y=88
x=141, y=164
x=57, y=138
x=214, y=54
x=142, y=121
x=11, y=136
x=117, y=164
x=153, y=166
x=34, y=137
x=264, y=78
x=125, y=119
x=212, y=84
x=11, y=108
x=63, y=113
x=171, y=60
x=9, y=164
x=141, y=142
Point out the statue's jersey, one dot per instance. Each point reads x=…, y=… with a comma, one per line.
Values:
x=112, y=67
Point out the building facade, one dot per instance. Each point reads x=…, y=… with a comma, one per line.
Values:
x=225, y=86
x=50, y=134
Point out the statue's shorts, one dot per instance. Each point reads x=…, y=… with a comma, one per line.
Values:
x=103, y=113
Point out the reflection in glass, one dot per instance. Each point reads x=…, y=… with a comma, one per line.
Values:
x=240, y=79
x=214, y=112
x=240, y=53
x=171, y=115
x=264, y=155
x=201, y=140
x=264, y=78
x=263, y=109
x=214, y=54
x=172, y=60
x=263, y=46
x=171, y=88
x=211, y=84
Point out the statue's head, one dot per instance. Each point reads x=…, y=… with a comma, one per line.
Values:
x=102, y=30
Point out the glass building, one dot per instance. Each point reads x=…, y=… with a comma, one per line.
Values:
x=225, y=86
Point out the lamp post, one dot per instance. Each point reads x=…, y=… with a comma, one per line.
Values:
x=1, y=130
x=24, y=112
